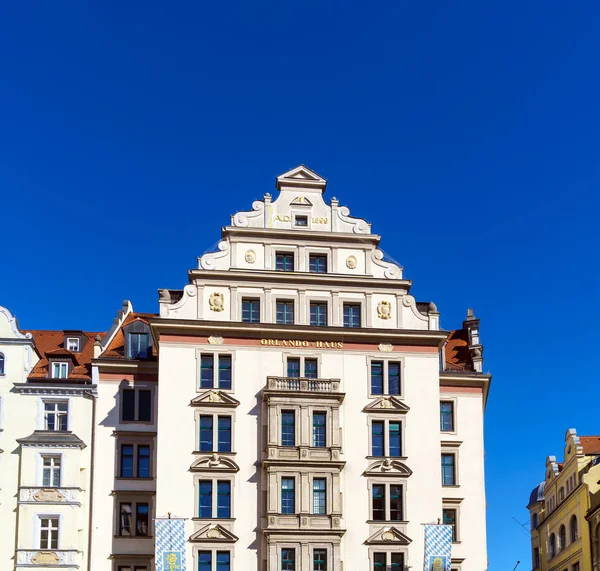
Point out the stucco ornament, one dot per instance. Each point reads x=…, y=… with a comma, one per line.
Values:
x=216, y=301
x=386, y=347
x=384, y=310
x=48, y=495
x=386, y=403
x=215, y=340
x=351, y=262
x=214, y=396
x=214, y=533
x=388, y=536
x=250, y=256
x=45, y=558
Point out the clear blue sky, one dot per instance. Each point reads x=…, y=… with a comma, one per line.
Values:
x=466, y=132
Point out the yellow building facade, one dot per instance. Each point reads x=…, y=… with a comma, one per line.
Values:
x=560, y=532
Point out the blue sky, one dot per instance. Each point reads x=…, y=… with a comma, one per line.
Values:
x=466, y=132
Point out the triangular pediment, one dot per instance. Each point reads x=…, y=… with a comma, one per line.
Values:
x=213, y=533
x=301, y=201
x=387, y=404
x=388, y=467
x=215, y=397
x=388, y=536
x=301, y=177
x=214, y=463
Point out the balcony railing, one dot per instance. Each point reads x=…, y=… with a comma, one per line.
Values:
x=48, y=495
x=47, y=558
x=301, y=384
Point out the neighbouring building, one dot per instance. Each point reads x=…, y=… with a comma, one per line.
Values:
x=562, y=504
x=293, y=402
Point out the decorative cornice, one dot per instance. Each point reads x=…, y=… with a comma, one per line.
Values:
x=14, y=325
x=52, y=389
x=208, y=261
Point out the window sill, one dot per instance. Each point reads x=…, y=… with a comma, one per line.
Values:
x=135, y=479
x=381, y=521
x=450, y=485
x=399, y=458
x=213, y=519
x=128, y=537
x=227, y=454
x=147, y=422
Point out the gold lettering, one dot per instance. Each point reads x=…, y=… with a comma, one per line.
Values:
x=300, y=343
x=304, y=343
x=264, y=341
x=340, y=345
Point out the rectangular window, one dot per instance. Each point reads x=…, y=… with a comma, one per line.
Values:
x=48, y=533
x=377, y=438
x=376, y=377
x=225, y=372
x=127, y=461
x=145, y=405
x=395, y=502
x=379, y=561
x=449, y=518
x=224, y=499
x=395, y=439
x=204, y=561
x=143, y=461
x=206, y=501
x=142, y=513
x=293, y=367
x=125, y=518
x=284, y=262
x=55, y=416
x=301, y=220
x=288, y=428
x=351, y=315
x=223, y=561
x=318, y=314
x=207, y=371
x=393, y=378
x=310, y=368
x=288, y=496
x=206, y=433
x=224, y=443
x=397, y=561
x=379, y=502
x=284, y=312
x=448, y=470
x=251, y=310
x=128, y=404
x=446, y=416
x=319, y=496
x=319, y=559
x=319, y=429
x=138, y=345
x=51, y=471
x=288, y=559
x=317, y=263
x=536, y=558
x=136, y=405
x=60, y=370
x=73, y=344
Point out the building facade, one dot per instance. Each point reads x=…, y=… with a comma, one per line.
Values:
x=561, y=506
x=293, y=402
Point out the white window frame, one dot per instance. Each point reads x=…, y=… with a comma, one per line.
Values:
x=386, y=445
x=215, y=416
x=454, y=401
x=386, y=360
x=215, y=355
x=53, y=457
x=318, y=252
x=3, y=358
x=39, y=529
x=213, y=558
x=77, y=344
x=57, y=366
x=302, y=356
x=447, y=505
x=42, y=420
x=215, y=479
x=388, y=556
x=137, y=388
x=387, y=484
x=453, y=451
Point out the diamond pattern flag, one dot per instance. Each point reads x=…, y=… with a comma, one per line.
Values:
x=438, y=546
x=170, y=544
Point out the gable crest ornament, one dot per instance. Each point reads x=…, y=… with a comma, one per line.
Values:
x=384, y=310
x=216, y=301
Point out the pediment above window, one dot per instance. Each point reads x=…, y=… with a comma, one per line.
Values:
x=213, y=533
x=215, y=398
x=388, y=467
x=388, y=536
x=214, y=463
x=387, y=404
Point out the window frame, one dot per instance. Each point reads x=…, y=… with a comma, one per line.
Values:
x=285, y=253
x=2, y=364
x=319, y=302
x=251, y=300
x=286, y=303
x=214, y=551
x=387, y=500
x=573, y=537
x=386, y=436
x=216, y=355
x=215, y=480
x=354, y=305
x=40, y=528
x=52, y=469
x=388, y=556
x=216, y=415
x=320, y=256
x=136, y=403
x=453, y=403
x=456, y=525
x=138, y=355
x=386, y=361
x=43, y=421
x=134, y=501
x=136, y=444
x=77, y=349
x=59, y=364
x=454, y=454
x=303, y=358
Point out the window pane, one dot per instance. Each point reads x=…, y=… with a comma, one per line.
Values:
x=310, y=368
x=285, y=312
x=125, y=519
x=128, y=404
x=377, y=438
x=127, y=461
x=288, y=496
x=205, y=499
x=225, y=372
x=320, y=560
x=288, y=559
x=319, y=496
x=143, y=468
x=142, y=513
x=397, y=560
x=351, y=315
x=204, y=561
x=138, y=345
x=224, y=499
x=318, y=314
x=319, y=426
x=393, y=378
x=447, y=416
x=251, y=310
x=223, y=561
x=395, y=502
x=395, y=441
x=379, y=561
x=145, y=403
x=293, y=367
x=449, y=518
x=224, y=434
x=317, y=264
x=288, y=428
x=378, y=502
x=206, y=372
x=206, y=433
x=301, y=220
x=284, y=262
x=376, y=377
x=448, y=469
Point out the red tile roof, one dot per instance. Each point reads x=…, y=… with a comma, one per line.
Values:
x=590, y=444
x=116, y=348
x=51, y=344
x=458, y=356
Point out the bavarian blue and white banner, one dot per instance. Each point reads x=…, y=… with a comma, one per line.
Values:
x=438, y=546
x=170, y=543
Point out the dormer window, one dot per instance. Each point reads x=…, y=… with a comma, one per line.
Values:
x=73, y=344
x=60, y=370
x=138, y=345
x=301, y=220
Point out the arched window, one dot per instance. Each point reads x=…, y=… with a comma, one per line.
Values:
x=562, y=537
x=552, y=545
x=573, y=526
x=561, y=494
x=1, y=363
x=534, y=520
